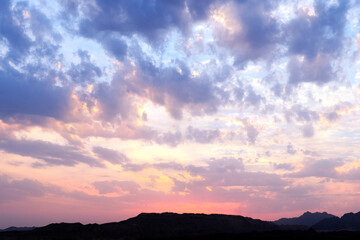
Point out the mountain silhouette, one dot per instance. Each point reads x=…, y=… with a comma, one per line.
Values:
x=349, y=222
x=182, y=226
x=17, y=229
x=151, y=226
x=307, y=219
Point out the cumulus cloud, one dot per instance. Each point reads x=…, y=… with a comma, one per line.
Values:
x=249, y=30
x=24, y=95
x=151, y=20
x=114, y=99
x=175, y=89
x=19, y=43
x=301, y=114
x=251, y=131
x=317, y=70
x=318, y=40
x=28, y=88
x=323, y=32
x=85, y=71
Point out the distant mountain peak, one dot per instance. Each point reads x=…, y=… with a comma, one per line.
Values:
x=349, y=221
x=312, y=213
x=306, y=219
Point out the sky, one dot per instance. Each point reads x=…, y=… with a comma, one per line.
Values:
x=113, y=108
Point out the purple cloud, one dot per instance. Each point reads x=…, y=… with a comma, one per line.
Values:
x=110, y=155
x=51, y=154
x=319, y=168
x=290, y=149
x=202, y=136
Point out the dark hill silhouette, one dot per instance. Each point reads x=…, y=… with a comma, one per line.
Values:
x=176, y=226
x=151, y=226
x=307, y=219
x=349, y=222
x=16, y=229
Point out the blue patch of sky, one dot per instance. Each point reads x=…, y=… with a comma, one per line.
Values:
x=98, y=56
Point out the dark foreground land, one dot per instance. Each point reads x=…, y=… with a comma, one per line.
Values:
x=281, y=235
x=177, y=226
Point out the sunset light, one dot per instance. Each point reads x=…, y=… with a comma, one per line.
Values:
x=113, y=108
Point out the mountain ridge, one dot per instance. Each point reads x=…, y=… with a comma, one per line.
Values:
x=153, y=226
x=306, y=219
x=13, y=228
x=192, y=226
x=349, y=221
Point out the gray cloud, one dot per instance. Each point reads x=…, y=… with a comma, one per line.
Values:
x=230, y=172
x=151, y=20
x=51, y=154
x=319, y=39
x=332, y=116
x=114, y=99
x=169, y=138
x=23, y=95
x=301, y=114
x=104, y=187
x=308, y=131
x=110, y=155
x=85, y=71
x=323, y=33
x=319, y=168
x=259, y=31
x=202, y=136
x=317, y=70
x=283, y=166
x=252, y=98
x=12, y=190
x=251, y=133
x=28, y=89
x=199, y=10
x=309, y=153
x=353, y=174
x=164, y=86
x=290, y=149
x=115, y=46
x=19, y=42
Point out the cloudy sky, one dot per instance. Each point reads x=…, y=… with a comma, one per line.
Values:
x=112, y=108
